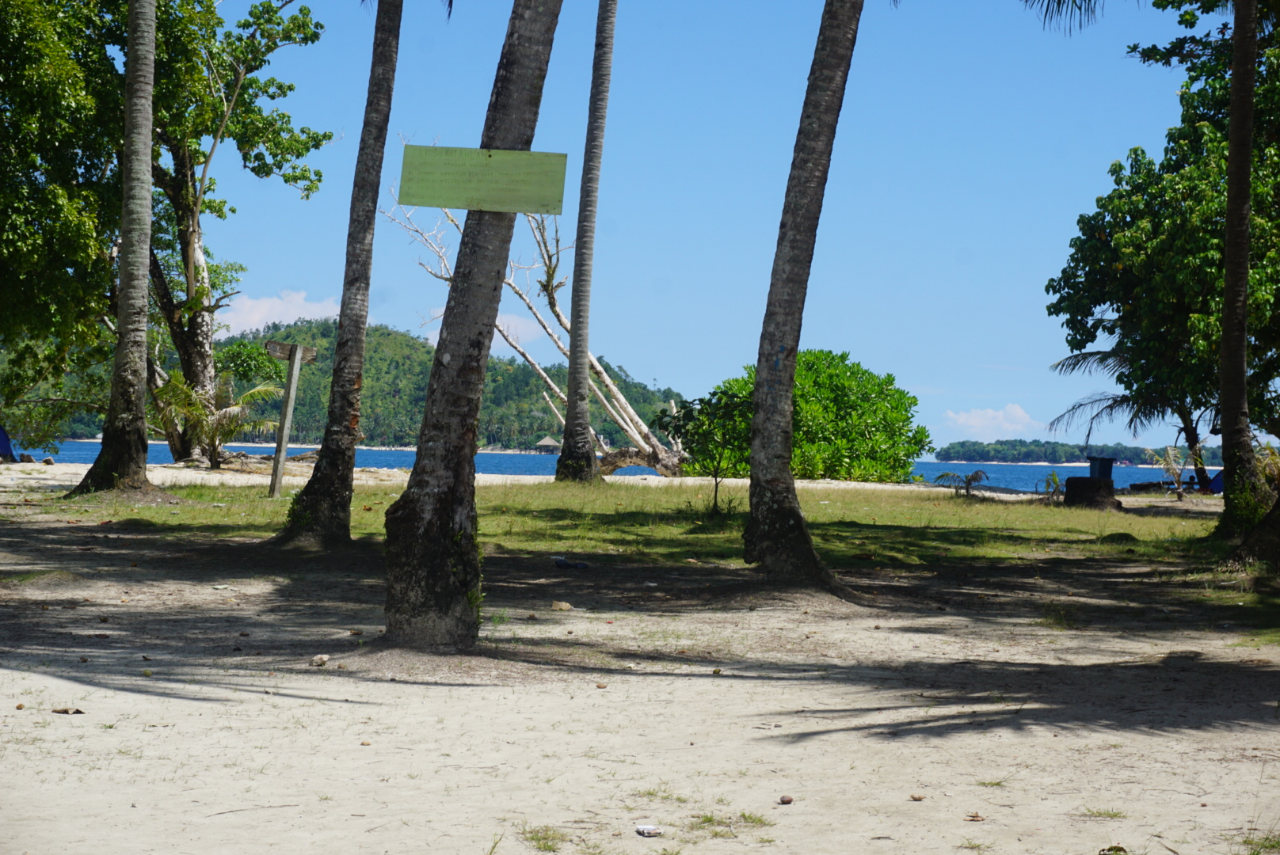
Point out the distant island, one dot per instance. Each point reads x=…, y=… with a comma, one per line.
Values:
x=1038, y=451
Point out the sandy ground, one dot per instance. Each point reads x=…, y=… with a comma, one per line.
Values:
x=687, y=698
x=240, y=474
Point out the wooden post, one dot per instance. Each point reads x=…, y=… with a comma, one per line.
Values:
x=286, y=421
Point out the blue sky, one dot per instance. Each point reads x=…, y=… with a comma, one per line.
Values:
x=970, y=142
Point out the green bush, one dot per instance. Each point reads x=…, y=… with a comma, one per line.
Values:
x=849, y=424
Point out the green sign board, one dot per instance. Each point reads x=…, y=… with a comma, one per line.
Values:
x=477, y=179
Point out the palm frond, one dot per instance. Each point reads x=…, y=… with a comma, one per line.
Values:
x=1071, y=15
x=1100, y=406
x=1106, y=362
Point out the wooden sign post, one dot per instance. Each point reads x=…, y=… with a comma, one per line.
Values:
x=295, y=355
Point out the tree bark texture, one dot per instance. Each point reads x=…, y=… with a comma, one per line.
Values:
x=323, y=508
x=1192, y=436
x=776, y=536
x=578, y=452
x=433, y=555
x=1247, y=497
x=122, y=461
x=1262, y=544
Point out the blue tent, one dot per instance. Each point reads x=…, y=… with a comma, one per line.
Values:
x=6, y=448
x=1215, y=483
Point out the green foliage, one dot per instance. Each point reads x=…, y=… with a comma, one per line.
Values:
x=1145, y=275
x=715, y=433
x=397, y=365
x=1038, y=451
x=961, y=482
x=215, y=419
x=849, y=424
x=61, y=96
x=249, y=363
x=58, y=181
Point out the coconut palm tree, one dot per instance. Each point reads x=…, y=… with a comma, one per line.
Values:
x=1247, y=495
x=323, y=509
x=578, y=451
x=122, y=460
x=776, y=536
x=432, y=549
x=1140, y=410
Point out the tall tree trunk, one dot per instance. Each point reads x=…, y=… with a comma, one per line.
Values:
x=776, y=535
x=323, y=508
x=578, y=452
x=122, y=461
x=192, y=336
x=1247, y=497
x=433, y=556
x=1192, y=436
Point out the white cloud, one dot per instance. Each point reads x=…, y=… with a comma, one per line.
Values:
x=989, y=425
x=524, y=330
x=247, y=313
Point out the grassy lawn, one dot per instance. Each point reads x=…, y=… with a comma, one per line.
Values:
x=899, y=535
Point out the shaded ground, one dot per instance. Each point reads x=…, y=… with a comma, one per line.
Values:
x=1038, y=701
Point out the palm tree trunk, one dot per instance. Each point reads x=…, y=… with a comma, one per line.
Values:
x=1245, y=493
x=122, y=461
x=776, y=536
x=578, y=452
x=323, y=508
x=433, y=555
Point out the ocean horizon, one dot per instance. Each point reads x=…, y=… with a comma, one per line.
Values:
x=1027, y=477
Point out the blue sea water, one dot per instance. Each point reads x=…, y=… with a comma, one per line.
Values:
x=1015, y=476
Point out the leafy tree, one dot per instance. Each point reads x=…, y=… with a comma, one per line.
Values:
x=578, y=460
x=433, y=558
x=1149, y=268
x=210, y=93
x=847, y=423
x=122, y=460
x=715, y=433
x=206, y=93
x=776, y=536
x=1246, y=494
x=59, y=191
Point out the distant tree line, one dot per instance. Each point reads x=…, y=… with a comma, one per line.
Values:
x=1036, y=451
x=397, y=366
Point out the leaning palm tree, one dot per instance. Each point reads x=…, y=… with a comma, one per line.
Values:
x=432, y=546
x=323, y=509
x=578, y=451
x=1245, y=492
x=776, y=535
x=122, y=460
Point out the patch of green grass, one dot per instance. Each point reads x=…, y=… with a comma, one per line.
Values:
x=544, y=838
x=1264, y=845
x=973, y=845
x=753, y=819
x=661, y=792
x=999, y=783
x=1105, y=813
x=709, y=820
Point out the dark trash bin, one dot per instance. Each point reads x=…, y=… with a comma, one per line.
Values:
x=1100, y=467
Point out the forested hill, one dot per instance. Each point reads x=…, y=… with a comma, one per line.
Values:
x=397, y=365
x=1036, y=451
